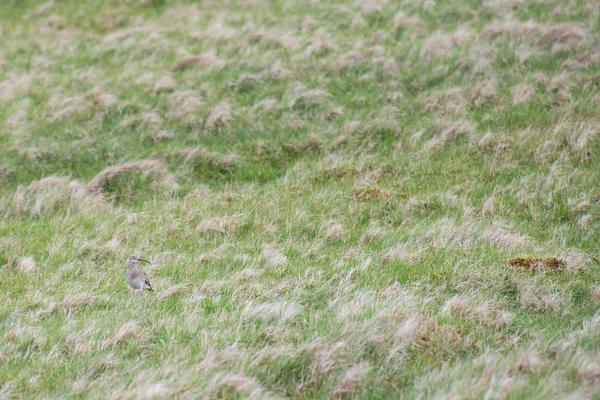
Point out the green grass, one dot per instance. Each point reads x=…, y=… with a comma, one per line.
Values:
x=329, y=213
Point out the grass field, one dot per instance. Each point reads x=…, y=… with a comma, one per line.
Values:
x=330, y=193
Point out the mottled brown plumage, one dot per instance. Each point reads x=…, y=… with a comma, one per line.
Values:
x=136, y=278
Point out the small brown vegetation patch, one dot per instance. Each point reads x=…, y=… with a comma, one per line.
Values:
x=537, y=264
x=371, y=193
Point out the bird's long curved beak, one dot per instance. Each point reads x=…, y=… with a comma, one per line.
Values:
x=139, y=259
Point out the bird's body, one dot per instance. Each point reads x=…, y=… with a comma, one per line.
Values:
x=135, y=277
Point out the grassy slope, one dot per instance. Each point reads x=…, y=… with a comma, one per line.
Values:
x=346, y=238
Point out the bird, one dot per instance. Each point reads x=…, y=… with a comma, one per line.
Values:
x=136, y=278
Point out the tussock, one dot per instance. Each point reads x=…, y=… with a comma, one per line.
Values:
x=411, y=23
x=404, y=252
x=151, y=118
x=279, y=311
x=171, y=292
x=27, y=264
x=185, y=105
x=16, y=120
x=156, y=168
x=563, y=34
x=541, y=295
x=67, y=112
x=301, y=97
x=121, y=35
x=165, y=83
x=499, y=236
x=205, y=60
x=350, y=382
x=266, y=105
x=46, y=195
x=245, y=82
x=575, y=259
x=239, y=384
x=450, y=133
x=440, y=44
x=102, y=99
x=247, y=274
x=14, y=86
x=231, y=355
x=162, y=136
x=274, y=257
x=485, y=312
x=334, y=230
x=219, y=116
x=71, y=303
x=512, y=28
x=484, y=93
x=220, y=225
x=595, y=293
x=522, y=94
x=277, y=71
x=131, y=331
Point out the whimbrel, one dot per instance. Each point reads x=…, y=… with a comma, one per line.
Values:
x=136, y=278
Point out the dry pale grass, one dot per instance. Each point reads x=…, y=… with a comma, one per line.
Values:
x=563, y=33
x=522, y=94
x=44, y=196
x=441, y=44
x=274, y=257
x=485, y=312
x=205, y=60
x=404, y=252
x=349, y=383
x=155, y=168
x=278, y=311
x=219, y=116
x=131, y=331
x=185, y=104
x=225, y=225
x=511, y=28
x=27, y=264
x=171, y=292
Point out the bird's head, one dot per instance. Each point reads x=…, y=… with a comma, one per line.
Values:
x=134, y=260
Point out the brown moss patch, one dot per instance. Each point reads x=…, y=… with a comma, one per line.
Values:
x=537, y=264
x=371, y=193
